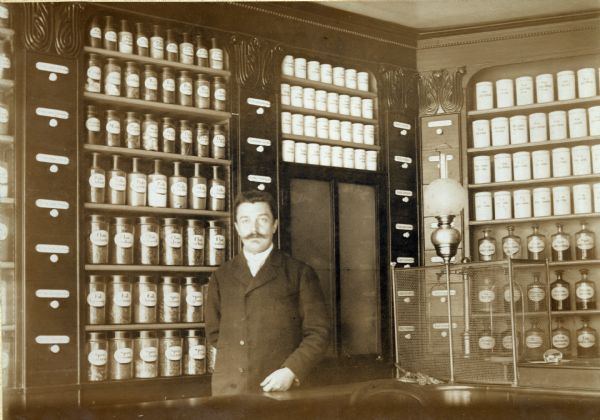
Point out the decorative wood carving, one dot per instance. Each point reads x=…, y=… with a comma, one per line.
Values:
x=54, y=28
x=398, y=88
x=441, y=92
x=254, y=58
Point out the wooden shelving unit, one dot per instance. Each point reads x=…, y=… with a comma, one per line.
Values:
x=553, y=181
x=330, y=115
x=330, y=142
x=528, y=109
x=329, y=87
x=549, y=144
x=150, y=155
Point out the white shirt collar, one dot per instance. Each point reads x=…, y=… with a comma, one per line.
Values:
x=256, y=261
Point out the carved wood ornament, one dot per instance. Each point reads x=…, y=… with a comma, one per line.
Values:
x=255, y=62
x=440, y=91
x=398, y=88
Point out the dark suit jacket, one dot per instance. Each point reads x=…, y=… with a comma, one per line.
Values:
x=260, y=324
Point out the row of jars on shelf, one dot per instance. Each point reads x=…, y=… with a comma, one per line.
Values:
x=538, y=202
x=567, y=87
x=172, y=47
x=155, y=189
x=129, y=82
x=155, y=134
x=321, y=100
x=145, y=354
x=537, y=127
x=325, y=155
x=327, y=129
x=148, y=242
x=144, y=300
x=325, y=73
x=524, y=165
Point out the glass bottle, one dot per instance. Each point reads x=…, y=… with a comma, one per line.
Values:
x=202, y=92
x=511, y=244
x=202, y=140
x=486, y=295
x=177, y=188
x=5, y=62
x=150, y=86
x=587, y=340
x=585, y=243
x=217, y=192
x=136, y=183
x=585, y=292
x=92, y=125
x=215, y=55
x=97, y=181
x=95, y=33
x=486, y=342
x=132, y=80
x=197, y=188
x=536, y=295
x=186, y=49
x=172, y=48
x=168, y=135
x=218, y=148
x=157, y=43
x=110, y=34
x=561, y=245
x=560, y=293
x=117, y=184
x=125, y=38
x=168, y=86
x=94, y=74
x=534, y=342
x=506, y=340
x=4, y=16
x=141, y=40
x=4, y=115
x=186, y=138
x=219, y=90
x=201, y=52
x=517, y=295
x=157, y=187
x=561, y=338
x=487, y=247
x=536, y=245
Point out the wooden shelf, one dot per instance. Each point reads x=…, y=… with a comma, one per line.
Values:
x=329, y=87
x=6, y=139
x=580, y=313
x=330, y=115
x=172, y=157
x=540, y=145
x=7, y=200
x=321, y=167
x=6, y=33
x=160, y=63
x=573, y=179
x=121, y=208
x=150, y=268
x=481, y=315
x=548, y=106
x=533, y=219
x=177, y=111
x=164, y=381
x=574, y=263
x=7, y=265
x=6, y=84
x=331, y=142
x=140, y=327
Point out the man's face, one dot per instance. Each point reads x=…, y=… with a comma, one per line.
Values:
x=256, y=225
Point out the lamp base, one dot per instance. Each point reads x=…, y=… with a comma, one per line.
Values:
x=445, y=238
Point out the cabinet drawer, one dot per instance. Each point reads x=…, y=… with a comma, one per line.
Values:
x=49, y=363
x=51, y=77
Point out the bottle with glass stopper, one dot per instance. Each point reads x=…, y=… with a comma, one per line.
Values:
x=178, y=194
x=536, y=294
x=518, y=303
x=487, y=247
x=561, y=338
x=136, y=185
x=217, y=192
x=585, y=292
x=97, y=181
x=511, y=244
x=587, y=340
x=561, y=245
x=486, y=341
x=534, y=342
x=198, y=188
x=536, y=245
x=585, y=243
x=486, y=295
x=117, y=184
x=157, y=187
x=560, y=293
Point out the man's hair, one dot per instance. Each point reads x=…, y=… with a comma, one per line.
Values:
x=255, y=197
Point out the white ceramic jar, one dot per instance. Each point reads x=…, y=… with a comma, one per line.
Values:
x=371, y=160
x=542, y=202
x=565, y=81
x=325, y=155
x=505, y=93
x=286, y=122
x=521, y=166
x=582, y=198
x=538, y=127
x=298, y=124
x=581, y=160
x=502, y=167
x=522, y=203
x=300, y=67
x=518, y=129
x=557, y=125
x=540, y=163
x=586, y=82
x=348, y=157
x=484, y=95
x=482, y=170
x=310, y=126
x=300, y=152
x=483, y=206
x=337, y=159
x=313, y=154
x=362, y=81
x=500, y=131
x=596, y=194
x=595, y=152
x=481, y=133
x=288, y=148
x=339, y=78
x=502, y=205
x=322, y=128
x=326, y=73
x=287, y=65
x=285, y=94
x=594, y=120
x=350, y=78
x=360, y=159
x=561, y=200
x=369, y=134
x=313, y=70
x=544, y=88
x=524, y=90
x=561, y=162
x=578, y=126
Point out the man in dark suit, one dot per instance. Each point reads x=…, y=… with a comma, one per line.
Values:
x=265, y=312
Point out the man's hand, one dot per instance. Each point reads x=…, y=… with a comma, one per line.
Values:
x=280, y=380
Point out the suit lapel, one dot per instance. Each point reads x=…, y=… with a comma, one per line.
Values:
x=267, y=272
x=241, y=272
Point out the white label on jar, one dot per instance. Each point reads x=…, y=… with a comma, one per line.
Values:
x=169, y=84
x=198, y=352
x=169, y=133
x=110, y=36
x=158, y=186
x=219, y=140
x=124, y=355
x=124, y=239
x=560, y=341
x=487, y=342
x=113, y=126
x=487, y=248
x=95, y=32
x=533, y=341
x=536, y=244
x=172, y=299
x=92, y=124
x=126, y=42
x=96, y=299
x=3, y=115
x=117, y=183
x=179, y=188
x=220, y=94
x=507, y=342
x=218, y=242
x=187, y=49
x=94, y=72
x=142, y=42
x=559, y=293
x=148, y=298
x=202, y=53
x=586, y=340
x=122, y=298
x=186, y=136
x=217, y=191
x=510, y=247
x=516, y=295
x=149, y=354
x=216, y=54
x=584, y=291
x=3, y=232
x=133, y=129
x=99, y=237
x=487, y=296
x=151, y=83
x=560, y=243
x=114, y=78
x=173, y=353
x=585, y=241
x=197, y=241
x=98, y=357
x=186, y=88
x=199, y=190
x=172, y=47
x=173, y=240
x=139, y=185
x=536, y=294
x=203, y=140
x=157, y=43
x=133, y=80
x=203, y=91
x=149, y=239
x=194, y=298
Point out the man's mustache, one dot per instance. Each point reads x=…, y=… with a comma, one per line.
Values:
x=254, y=236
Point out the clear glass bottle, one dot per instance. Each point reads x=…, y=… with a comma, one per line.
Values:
x=197, y=188
x=560, y=293
x=487, y=247
x=486, y=295
x=92, y=125
x=215, y=55
x=561, y=338
x=110, y=34
x=97, y=356
x=171, y=46
x=157, y=187
x=517, y=297
x=536, y=295
x=585, y=243
x=511, y=244
x=178, y=194
x=186, y=49
x=157, y=43
x=168, y=86
x=136, y=185
x=585, y=292
x=132, y=80
x=121, y=355
x=169, y=135
x=201, y=52
x=536, y=245
x=96, y=181
x=95, y=33
x=535, y=339
x=125, y=38
x=117, y=184
x=506, y=340
x=5, y=61
x=217, y=192
x=561, y=245
x=486, y=342
x=587, y=340
x=186, y=138
x=218, y=148
x=141, y=40
x=93, y=81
